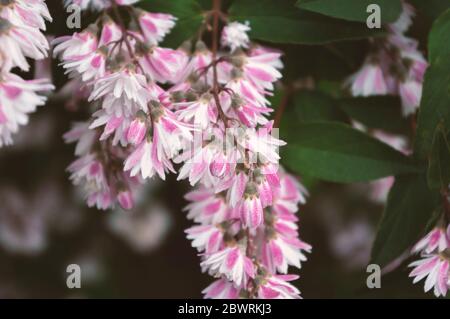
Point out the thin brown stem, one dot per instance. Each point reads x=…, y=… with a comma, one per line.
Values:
x=122, y=27
x=215, y=46
x=282, y=106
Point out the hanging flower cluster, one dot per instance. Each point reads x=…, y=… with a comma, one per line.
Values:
x=395, y=66
x=21, y=23
x=199, y=109
x=244, y=204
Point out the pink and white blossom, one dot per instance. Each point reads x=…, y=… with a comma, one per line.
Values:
x=221, y=289
x=278, y=287
x=18, y=98
x=234, y=35
x=368, y=81
x=232, y=263
x=155, y=25
x=435, y=268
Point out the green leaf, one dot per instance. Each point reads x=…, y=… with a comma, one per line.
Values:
x=435, y=102
x=431, y=8
x=339, y=153
x=308, y=106
x=311, y=106
x=189, y=18
x=439, y=163
x=353, y=10
x=410, y=205
x=373, y=112
x=281, y=22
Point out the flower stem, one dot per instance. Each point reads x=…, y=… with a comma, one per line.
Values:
x=282, y=106
x=216, y=13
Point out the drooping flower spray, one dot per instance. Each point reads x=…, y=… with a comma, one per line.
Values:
x=131, y=131
x=244, y=204
x=21, y=23
x=395, y=66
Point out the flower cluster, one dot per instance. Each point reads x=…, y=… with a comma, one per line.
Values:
x=244, y=204
x=395, y=66
x=434, y=264
x=199, y=109
x=131, y=130
x=21, y=23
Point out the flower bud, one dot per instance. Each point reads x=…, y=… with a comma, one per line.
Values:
x=125, y=199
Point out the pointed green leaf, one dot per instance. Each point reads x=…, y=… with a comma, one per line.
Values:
x=353, y=10
x=410, y=205
x=339, y=153
x=439, y=162
x=280, y=21
x=435, y=102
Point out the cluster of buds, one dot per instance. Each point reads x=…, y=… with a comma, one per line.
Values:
x=395, y=66
x=21, y=23
x=200, y=109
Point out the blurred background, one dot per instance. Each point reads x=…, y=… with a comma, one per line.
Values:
x=45, y=224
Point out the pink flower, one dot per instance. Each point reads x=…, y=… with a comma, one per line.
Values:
x=89, y=4
x=251, y=209
x=89, y=66
x=87, y=170
x=262, y=144
x=410, y=93
x=30, y=13
x=19, y=42
x=247, y=91
x=261, y=70
x=125, y=83
x=369, y=80
x=278, y=287
x=289, y=195
x=169, y=134
x=206, y=207
x=113, y=124
x=436, y=240
x=137, y=130
x=248, y=113
x=201, y=113
x=435, y=269
x=204, y=160
x=232, y=263
x=155, y=25
x=199, y=61
x=161, y=64
x=207, y=238
x=18, y=98
x=125, y=199
x=282, y=251
x=234, y=35
x=404, y=21
x=78, y=44
x=379, y=189
x=144, y=159
x=236, y=191
x=110, y=33
x=221, y=289
x=81, y=133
